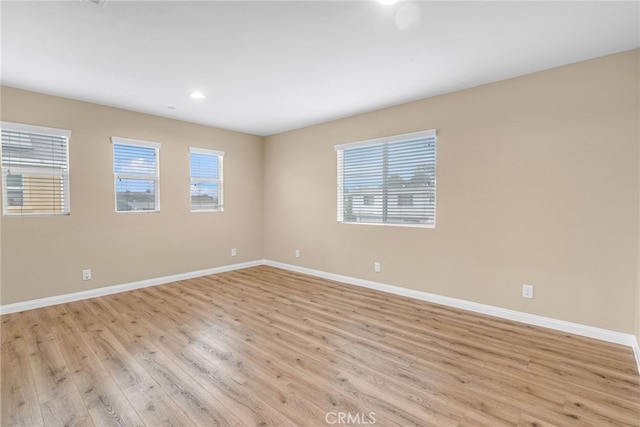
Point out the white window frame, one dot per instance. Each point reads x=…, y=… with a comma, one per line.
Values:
x=61, y=172
x=155, y=177
x=219, y=181
x=408, y=138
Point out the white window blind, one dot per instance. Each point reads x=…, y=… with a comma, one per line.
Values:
x=136, y=175
x=35, y=170
x=206, y=179
x=389, y=180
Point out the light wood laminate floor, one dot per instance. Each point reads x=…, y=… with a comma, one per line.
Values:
x=268, y=347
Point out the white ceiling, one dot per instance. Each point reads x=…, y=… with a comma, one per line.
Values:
x=267, y=67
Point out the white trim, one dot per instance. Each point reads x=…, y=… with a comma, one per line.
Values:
x=503, y=313
x=393, y=138
x=636, y=351
x=108, y=290
x=135, y=142
x=206, y=151
x=387, y=224
x=40, y=130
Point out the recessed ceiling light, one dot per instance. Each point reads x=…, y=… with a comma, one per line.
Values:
x=387, y=2
x=101, y=3
x=197, y=95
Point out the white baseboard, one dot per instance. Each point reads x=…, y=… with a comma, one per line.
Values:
x=518, y=316
x=531, y=319
x=108, y=290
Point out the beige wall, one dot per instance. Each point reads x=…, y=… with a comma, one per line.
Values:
x=637, y=69
x=0, y=206
x=44, y=256
x=537, y=183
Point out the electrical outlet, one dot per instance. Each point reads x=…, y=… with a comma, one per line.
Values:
x=527, y=291
x=86, y=274
x=297, y=253
x=376, y=267
x=234, y=252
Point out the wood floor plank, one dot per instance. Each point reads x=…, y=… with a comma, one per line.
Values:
x=202, y=408
x=20, y=403
x=599, y=413
x=117, y=361
x=295, y=408
x=51, y=373
x=67, y=410
x=208, y=375
x=269, y=347
x=104, y=400
x=155, y=407
x=528, y=420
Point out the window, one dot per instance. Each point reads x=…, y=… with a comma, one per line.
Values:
x=206, y=179
x=35, y=170
x=15, y=190
x=136, y=175
x=388, y=180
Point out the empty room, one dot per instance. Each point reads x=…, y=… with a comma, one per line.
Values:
x=320, y=213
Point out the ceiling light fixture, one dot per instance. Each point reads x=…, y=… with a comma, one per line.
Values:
x=387, y=2
x=101, y=3
x=197, y=95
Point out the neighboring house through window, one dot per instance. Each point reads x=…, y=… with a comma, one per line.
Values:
x=35, y=170
x=405, y=199
x=389, y=180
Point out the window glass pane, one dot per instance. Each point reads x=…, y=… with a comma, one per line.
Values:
x=135, y=166
x=204, y=196
x=206, y=179
x=14, y=181
x=391, y=182
x=133, y=160
x=14, y=197
x=204, y=166
x=363, y=167
x=35, y=170
x=135, y=195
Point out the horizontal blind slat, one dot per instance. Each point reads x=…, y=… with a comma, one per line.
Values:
x=136, y=175
x=206, y=179
x=34, y=170
x=389, y=182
